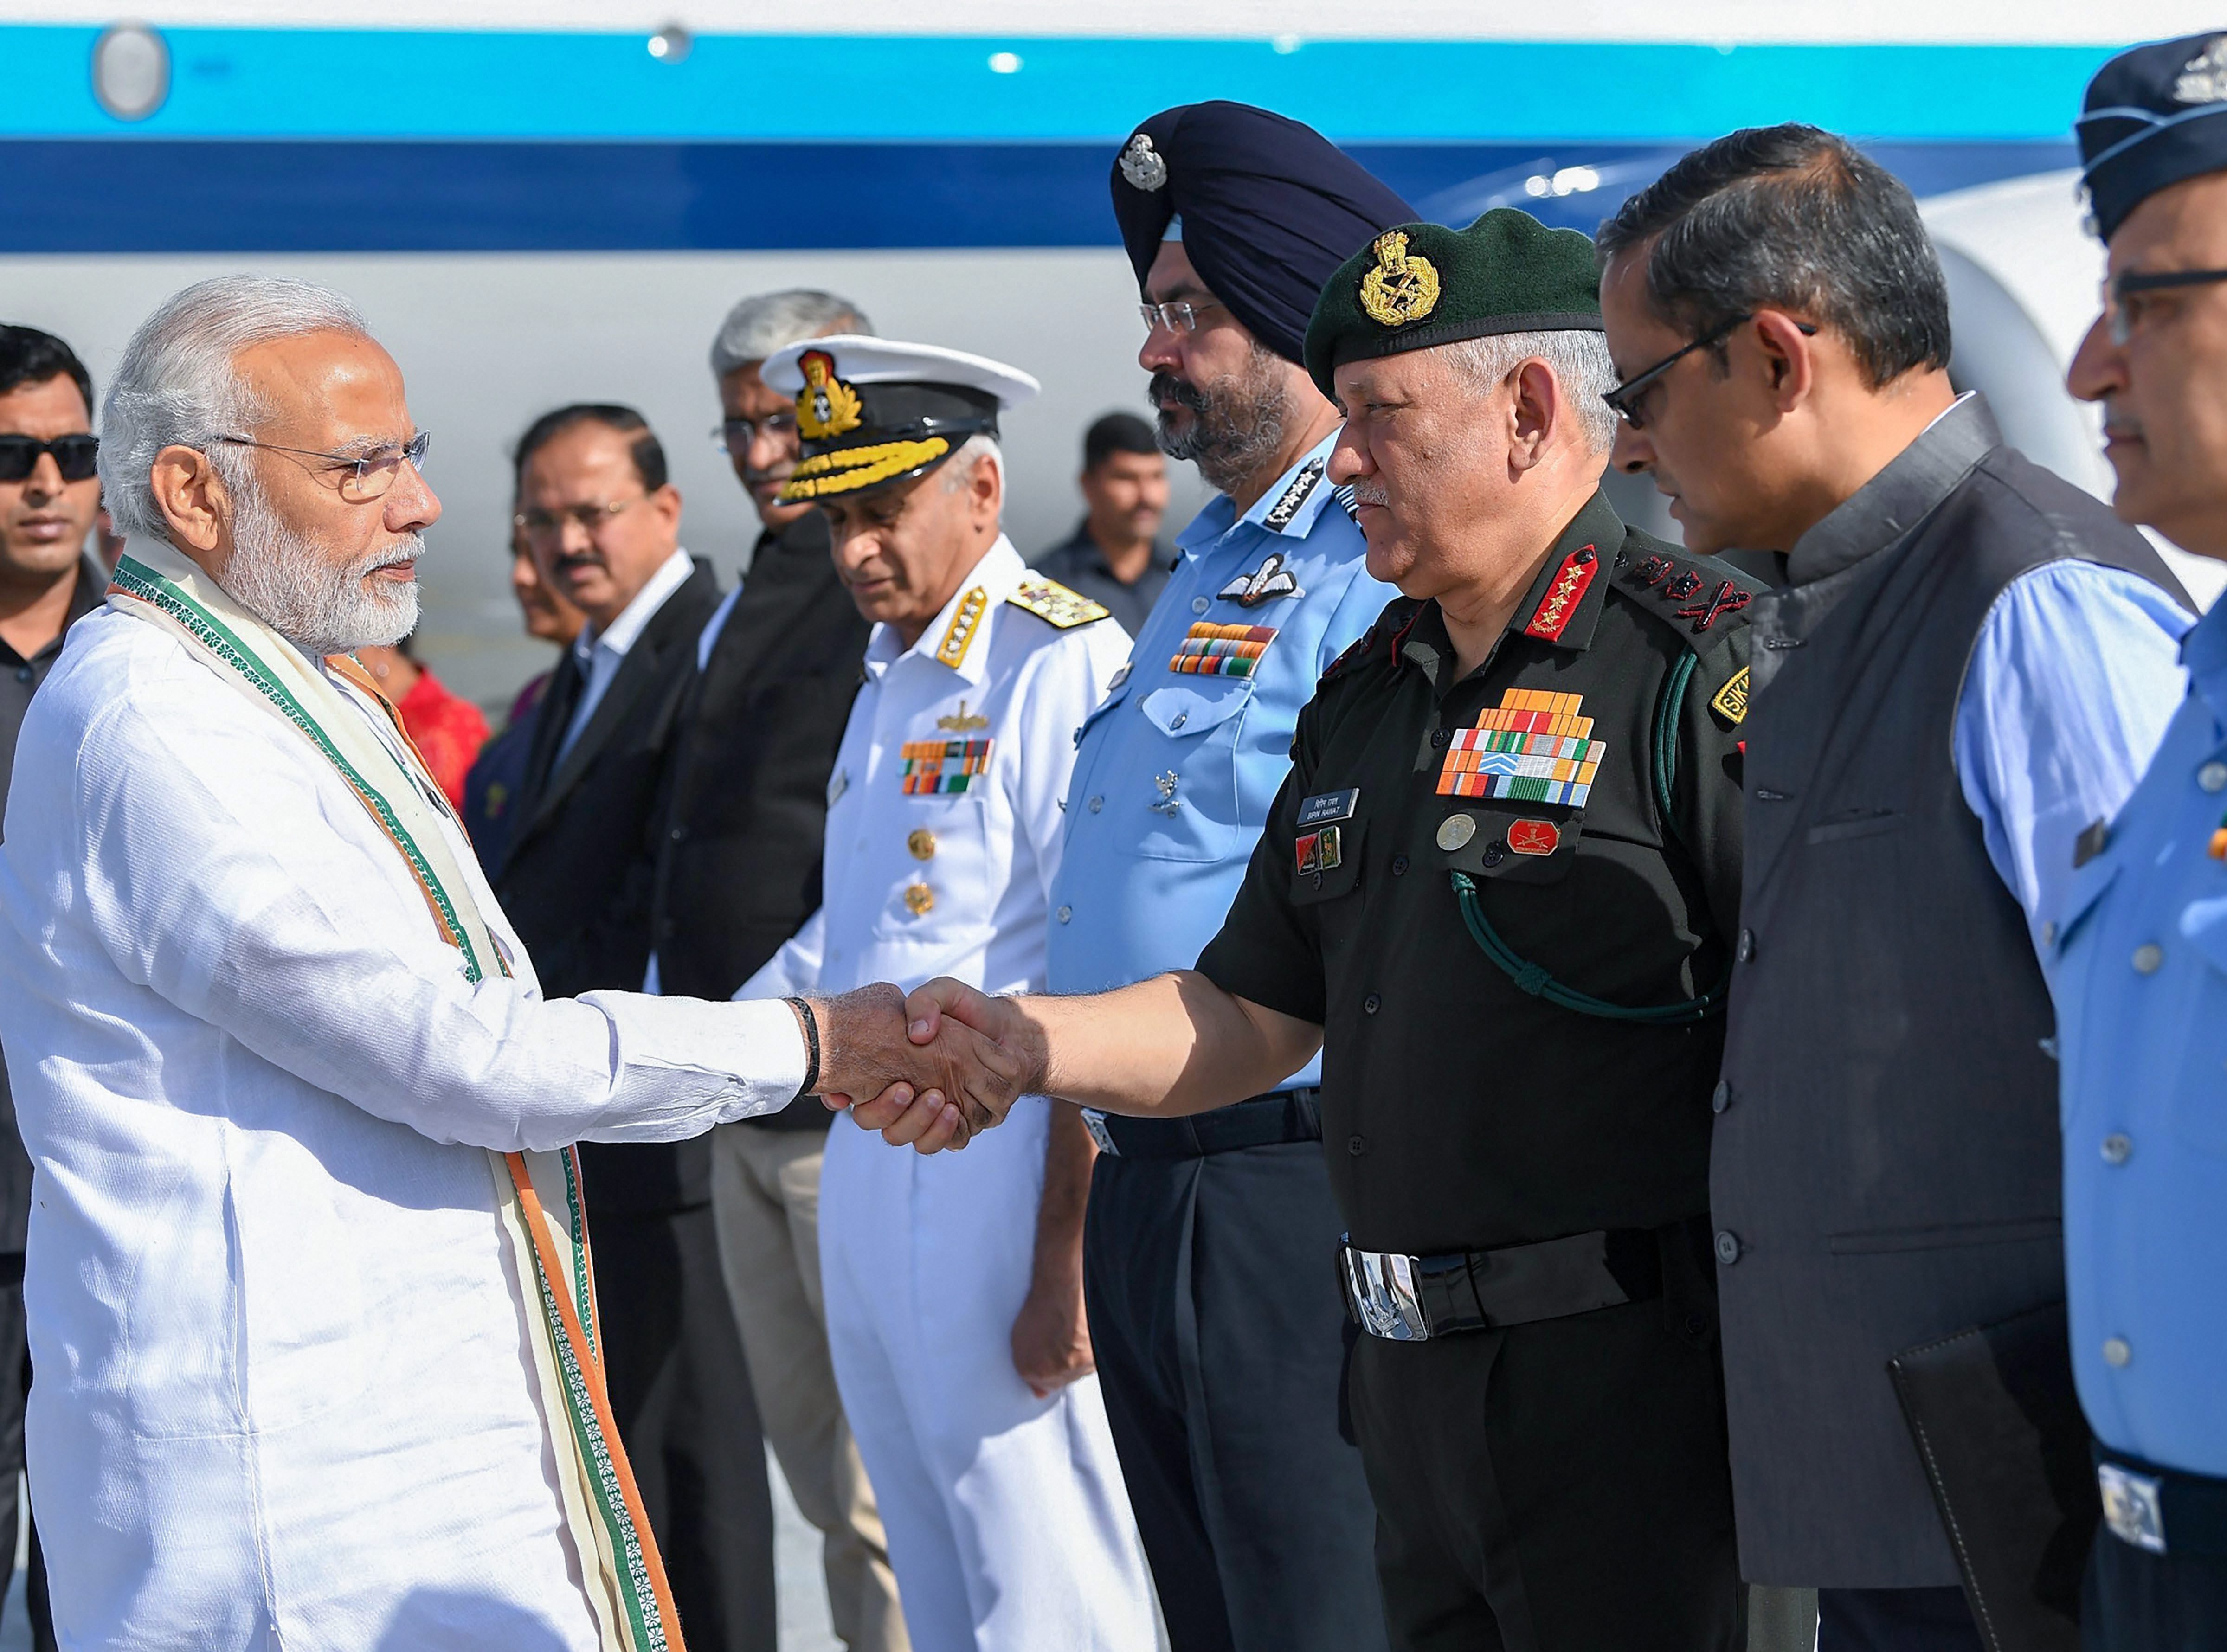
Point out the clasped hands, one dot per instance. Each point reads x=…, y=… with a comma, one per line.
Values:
x=928, y=1072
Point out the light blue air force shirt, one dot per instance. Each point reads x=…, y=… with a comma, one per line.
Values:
x=1177, y=770
x=2139, y=969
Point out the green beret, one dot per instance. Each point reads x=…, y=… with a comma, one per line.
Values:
x=1424, y=284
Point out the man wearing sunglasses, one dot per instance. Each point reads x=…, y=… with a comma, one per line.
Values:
x=49, y=494
x=2140, y=960
x=1966, y=662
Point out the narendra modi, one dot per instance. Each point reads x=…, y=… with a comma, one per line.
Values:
x=309, y=1278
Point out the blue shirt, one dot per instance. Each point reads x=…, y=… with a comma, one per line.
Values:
x=1177, y=770
x=2140, y=974
x=2072, y=679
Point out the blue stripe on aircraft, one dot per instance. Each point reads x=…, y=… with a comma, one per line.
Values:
x=210, y=195
x=310, y=83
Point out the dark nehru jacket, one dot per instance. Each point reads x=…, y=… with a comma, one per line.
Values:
x=1885, y=1166
x=744, y=819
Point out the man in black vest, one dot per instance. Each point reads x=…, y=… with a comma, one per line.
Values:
x=603, y=525
x=1966, y=660
x=738, y=871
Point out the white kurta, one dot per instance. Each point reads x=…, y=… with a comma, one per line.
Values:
x=283, y=1396
x=1009, y=1527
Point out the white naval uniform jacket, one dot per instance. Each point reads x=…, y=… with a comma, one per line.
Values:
x=283, y=1396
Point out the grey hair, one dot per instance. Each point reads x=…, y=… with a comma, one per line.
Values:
x=959, y=469
x=767, y=322
x=1578, y=357
x=177, y=386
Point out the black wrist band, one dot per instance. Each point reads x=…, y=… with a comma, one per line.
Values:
x=811, y=1084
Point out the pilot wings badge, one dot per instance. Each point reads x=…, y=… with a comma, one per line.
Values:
x=1264, y=584
x=1145, y=167
x=826, y=406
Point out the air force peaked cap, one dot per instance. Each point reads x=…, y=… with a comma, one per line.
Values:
x=2153, y=116
x=1423, y=284
x=1268, y=208
x=871, y=413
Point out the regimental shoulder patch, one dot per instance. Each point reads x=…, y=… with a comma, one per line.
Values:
x=959, y=636
x=1701, y=597
x=1730, y=702
x=1056, y=605
x=1280, y=513
x=1222, y=650
x=1537, y=746
x=1564, y=592
x=1271, y=580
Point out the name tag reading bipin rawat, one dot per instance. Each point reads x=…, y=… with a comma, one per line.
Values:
x=1326, y=807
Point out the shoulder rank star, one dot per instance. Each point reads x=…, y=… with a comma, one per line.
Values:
x=1288, y=502
x=1264, y=584
x=1055, y=604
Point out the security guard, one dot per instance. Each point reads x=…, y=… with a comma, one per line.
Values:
x=2139, y=949
x=1497, y=889
x=1217, y=1336
x=1002, y=1498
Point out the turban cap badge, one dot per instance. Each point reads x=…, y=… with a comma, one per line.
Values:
x=1143, y=165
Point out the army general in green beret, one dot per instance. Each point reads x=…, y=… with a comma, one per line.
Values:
x=1498, y=889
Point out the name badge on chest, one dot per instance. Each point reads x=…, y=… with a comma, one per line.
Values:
x=1325, y=807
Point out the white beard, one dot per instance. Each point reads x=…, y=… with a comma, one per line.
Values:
x=280, y=576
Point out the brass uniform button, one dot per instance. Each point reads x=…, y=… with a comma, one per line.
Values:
x=919, y=899
x=921, y=842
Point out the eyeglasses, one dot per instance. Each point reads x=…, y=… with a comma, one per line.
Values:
x=1181, y=316
x=363, y=476
x=76, y=456
x=2123, y=295
x=1624, y=400
x=735, y=435
x=548, y=526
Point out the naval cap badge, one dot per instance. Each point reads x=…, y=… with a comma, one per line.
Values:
x=1400, y=286
x=826, y=406
x=1145, y=167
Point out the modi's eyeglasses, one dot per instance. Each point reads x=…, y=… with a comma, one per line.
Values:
x=364, y=476
x=76, y=456
x=1625, y=399
x=1181, y=316
x=2124, y=294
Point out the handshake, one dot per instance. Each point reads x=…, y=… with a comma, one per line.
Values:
x=930, y=1071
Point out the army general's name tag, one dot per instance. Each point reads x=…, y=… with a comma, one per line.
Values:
x=1326, y=807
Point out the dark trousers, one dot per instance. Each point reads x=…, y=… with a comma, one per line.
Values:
x=680, y=1394
x=1554, y=1487
x=1895, y=1620
x=1216, y=1316
x=15, y=1388
x=2135, y=1601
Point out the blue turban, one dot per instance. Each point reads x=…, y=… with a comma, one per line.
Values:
x=1270, y=208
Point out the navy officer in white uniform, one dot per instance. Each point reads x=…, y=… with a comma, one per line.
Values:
x=968, y=1386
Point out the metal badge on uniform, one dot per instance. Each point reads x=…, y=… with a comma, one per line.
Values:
x=2132, y=1506
x=1271, y=580
x=1325, y=807
x=1528, y=837
x=837, y=783
x=2090, y=842
x=1143, y=166
x=1535, y=747
x=1119, y=677
x=1319, y=851
x=1222, y=650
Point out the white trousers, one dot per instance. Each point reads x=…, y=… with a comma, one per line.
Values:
x=1008, y=1524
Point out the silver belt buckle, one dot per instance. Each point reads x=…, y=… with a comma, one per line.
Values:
x=1382, y=1290
x=1095, y=1122
x=2131, y=1507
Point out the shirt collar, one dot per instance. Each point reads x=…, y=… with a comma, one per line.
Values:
x=1289, y=507
x=988, y=583
x=1895, y=501
x=2204, y=651
x=626, y=630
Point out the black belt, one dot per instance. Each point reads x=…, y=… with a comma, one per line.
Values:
x=2166, y=1511
x=1411, y=1298
x=1265, y=1121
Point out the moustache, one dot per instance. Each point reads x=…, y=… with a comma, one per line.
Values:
x=1165, y=387
x=1367, y=490
x=780, y=473
x=397, y=555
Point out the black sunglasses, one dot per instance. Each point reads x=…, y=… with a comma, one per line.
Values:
x=76, y=456
x=1624, y=400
